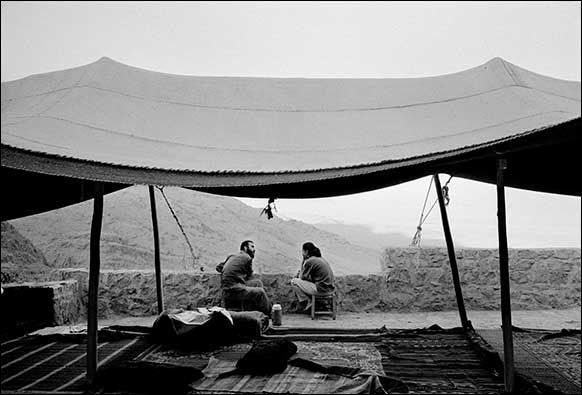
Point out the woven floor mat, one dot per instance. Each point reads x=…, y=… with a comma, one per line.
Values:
x=561, y=353
x=54, y=365
x=553, y=361
x=439, y=363
x=356, y=355
x=294, y=379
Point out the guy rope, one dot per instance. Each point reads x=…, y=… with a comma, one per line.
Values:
x=417, y=236
x=195, y=258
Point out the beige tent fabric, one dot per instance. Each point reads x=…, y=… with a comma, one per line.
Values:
x=115, y=118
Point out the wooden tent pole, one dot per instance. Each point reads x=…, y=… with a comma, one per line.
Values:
x=451, y=250
x=159, y=287
x=504, y=279
x=94, y=268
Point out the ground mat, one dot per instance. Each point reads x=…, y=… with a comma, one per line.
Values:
x=57, y=364
x=387, y=361
x=552, y=358
x=420, y=361
x=317, y=367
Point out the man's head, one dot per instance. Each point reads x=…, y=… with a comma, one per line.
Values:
x=248, y=246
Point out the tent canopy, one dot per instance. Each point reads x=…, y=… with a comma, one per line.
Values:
x=283, y=137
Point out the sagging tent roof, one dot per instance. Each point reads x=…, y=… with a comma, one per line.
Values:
x=283, y=137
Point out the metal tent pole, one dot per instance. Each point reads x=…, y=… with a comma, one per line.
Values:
x=94, y=267
x=159, y=287
x=508, y=368
x=451, y=250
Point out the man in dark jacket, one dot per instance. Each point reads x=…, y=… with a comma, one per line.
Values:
x=239, y=287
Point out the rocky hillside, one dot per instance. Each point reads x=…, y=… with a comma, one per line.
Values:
x=21, y=260
x=215, y=226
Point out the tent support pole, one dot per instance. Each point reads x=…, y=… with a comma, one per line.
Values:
x=452, y=258
x=159, y=287
x=94, y=268
x=508, y=367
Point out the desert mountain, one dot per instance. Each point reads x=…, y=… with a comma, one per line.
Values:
x=214, y=225
x=21, y=260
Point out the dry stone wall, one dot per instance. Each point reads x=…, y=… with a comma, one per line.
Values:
x=35, y=305
x=540, y=278
x=411, y=280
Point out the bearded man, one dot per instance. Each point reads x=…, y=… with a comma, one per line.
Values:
x=240, y=289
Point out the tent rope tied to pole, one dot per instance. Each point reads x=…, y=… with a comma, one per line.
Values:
x=418, y=235
x=195, y=257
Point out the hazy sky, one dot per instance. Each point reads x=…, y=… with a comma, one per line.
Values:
x=328, y=39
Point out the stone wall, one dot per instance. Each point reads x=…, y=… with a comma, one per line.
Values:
x=411, y=280
x=420, y=279
x=31, y=306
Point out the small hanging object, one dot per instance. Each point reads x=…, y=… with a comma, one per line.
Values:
x=268, y=210
x=446, y=195
x=416, y=239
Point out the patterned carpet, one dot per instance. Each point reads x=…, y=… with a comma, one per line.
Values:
x=355, y=355
x=438, y=362
x=427, y=361
x=562, y=354
x=549, y=357
x=364, y=356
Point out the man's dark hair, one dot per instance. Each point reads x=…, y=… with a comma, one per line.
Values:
x=245, y=244
x=311, y=249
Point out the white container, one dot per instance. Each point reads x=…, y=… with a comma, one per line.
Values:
x=277, y=314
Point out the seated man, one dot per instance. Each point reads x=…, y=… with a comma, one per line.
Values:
x=237, y=282
x=314, y=277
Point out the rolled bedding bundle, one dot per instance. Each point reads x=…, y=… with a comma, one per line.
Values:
x=208, y=326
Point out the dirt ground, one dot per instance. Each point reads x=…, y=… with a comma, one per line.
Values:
x=538, y=319
x=546, y=319
x=534, y=319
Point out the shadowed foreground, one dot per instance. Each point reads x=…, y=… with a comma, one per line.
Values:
x=418, y=361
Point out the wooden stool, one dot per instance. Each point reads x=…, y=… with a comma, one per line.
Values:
x=326, y=297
